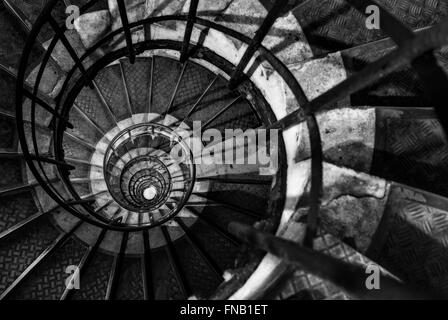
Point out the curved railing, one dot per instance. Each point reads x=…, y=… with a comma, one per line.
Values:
x=415, y=49
x=78, y=76
x=152, y=176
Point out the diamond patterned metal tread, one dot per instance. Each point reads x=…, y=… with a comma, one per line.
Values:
x=401, y=88
x=194, y=82
x=111, y=86
x=90, y=104
x=223, y=216
x=130, y=286
x=7, y=85
x=31, y=10
x=200, y=277
x=412, y=239
x=138, y=80
x=410, y=147
x=164, y=280
x=12, y=39
x=14, y=209
x=73, y=149
x=164, y=82
x=239, y=116
x=219, y=248
x=47, y=282
x=215, y=100
x=334, y=25
x=309, y=287
x=95, y=279
x=8, y=129
x=81, y=171
x=20, y=250
x=11, y=170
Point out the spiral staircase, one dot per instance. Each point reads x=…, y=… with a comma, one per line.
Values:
x=91, y=112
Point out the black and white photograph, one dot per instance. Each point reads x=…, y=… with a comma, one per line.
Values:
x=223, y=158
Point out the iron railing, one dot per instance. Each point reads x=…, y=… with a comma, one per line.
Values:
x=415, y=49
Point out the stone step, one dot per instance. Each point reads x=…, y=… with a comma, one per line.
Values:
x=226, y=49
x=48, y=274
x=155, y=8
x=286, y=38
x=16, y=208
x=51, y=81
x=9, y=132
x=199, y=276
x=164, y=83
x=300, y=285
x=99, y=271
x=7, y=85
x=13, y=39
x=84, y=129
x=135, y=10
x=406, y=145
x=29, y=12
x=208, y=9
x=401, y=228
x=74, y=149
x=364, y=220
x=138, y=80
x=26, y=245
x=402, y=88
x=62, y=56
x=90, y=104
x=112, y=88
x=43, y=139
x=412, y=237
x=331, y=26
x=92, y=26
x=41, y=116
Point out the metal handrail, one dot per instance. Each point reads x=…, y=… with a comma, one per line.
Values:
x=63, y=105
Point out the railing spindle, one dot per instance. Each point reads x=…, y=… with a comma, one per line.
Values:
x=261, y=33
x=127, y=30
x=192, y=13
x=71, y=51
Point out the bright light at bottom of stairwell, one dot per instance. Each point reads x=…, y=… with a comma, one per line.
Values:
x=150, y=193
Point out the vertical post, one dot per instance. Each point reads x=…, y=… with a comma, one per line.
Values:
x=115, y=274
x=189, y=29
x=261, y=33
x=175, y=264
x=127, y=30
x=146, y=268
x=71, y=51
